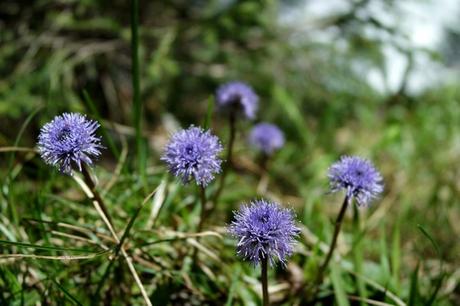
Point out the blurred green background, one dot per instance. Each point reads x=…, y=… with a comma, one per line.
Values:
x=376, y=78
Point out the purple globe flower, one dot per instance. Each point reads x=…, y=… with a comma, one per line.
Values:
x=358, y=177
x=264, y=229
x=239, y=96
x=68, y=141
x=266, y=137
x=193, y=153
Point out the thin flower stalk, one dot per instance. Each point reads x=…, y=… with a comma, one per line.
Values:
x=337, y=227
x=264, y=277
x=236, y=99
x=362, y=182
x=69, y=142
x=266, y=234
x=228, y=158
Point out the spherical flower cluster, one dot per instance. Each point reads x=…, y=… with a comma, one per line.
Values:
x=239, y=96
x=68, y=141
x=266, y=137
x=193, y=153
x=358, y=177
x=264, y=230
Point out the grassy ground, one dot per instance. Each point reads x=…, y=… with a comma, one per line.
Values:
x=402, y=250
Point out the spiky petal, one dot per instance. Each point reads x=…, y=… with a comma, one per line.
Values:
x=69, y=141
x=193, y=153
x=358, y=177
x=264, y=229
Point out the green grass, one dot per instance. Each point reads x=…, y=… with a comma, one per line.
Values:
x=54, y=248
x=376, y=247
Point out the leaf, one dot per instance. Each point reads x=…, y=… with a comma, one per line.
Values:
x=45, y=247
x=396, y=253
x=441, y=276
x=120, y=244
x=67, y=294
x=413, y=293
x=231, y=290
x=339, y=289
x=8, y=177
x=432, y=298
x=433, y=242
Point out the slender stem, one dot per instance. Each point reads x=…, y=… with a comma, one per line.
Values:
x=338, y=224
x=135, y=74
x=265, y=296
x=203, y=213
x=92, y=185
x=100, y=208
x=264, y=158
x=231, y=140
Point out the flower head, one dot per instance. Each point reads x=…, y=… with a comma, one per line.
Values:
x=264, y=229
x=193, y=153
x=68, y=141
x=238, y=95
x=358, y=177
x=266, y=137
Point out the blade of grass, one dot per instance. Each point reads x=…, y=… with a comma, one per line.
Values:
x=17, y=149
x=93, y=109
x=157, y=203
x=10, y=279
x=131, y=222
x=120, y=244
x=67, y=293
x=7, y=181
x=413, y=293
x=435, y=292
x=137, y=103
x=441, y=276
x=182, y=236
x=45, y=247
x=89, y=232
x=396, y=253
x=384, y=261
x=287, y=104
x=433, y=242
x=98, y=203
x=378, y=287
x=23, y=287
x=337, y=282
x=368, y=301
x=231, y=291
x=50, y=257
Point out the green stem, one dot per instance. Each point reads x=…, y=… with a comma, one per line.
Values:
x=231, y=140
x=137, y=103
x=203, y=213
x=338, y=225
x=265, y=296
x=264, y=158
